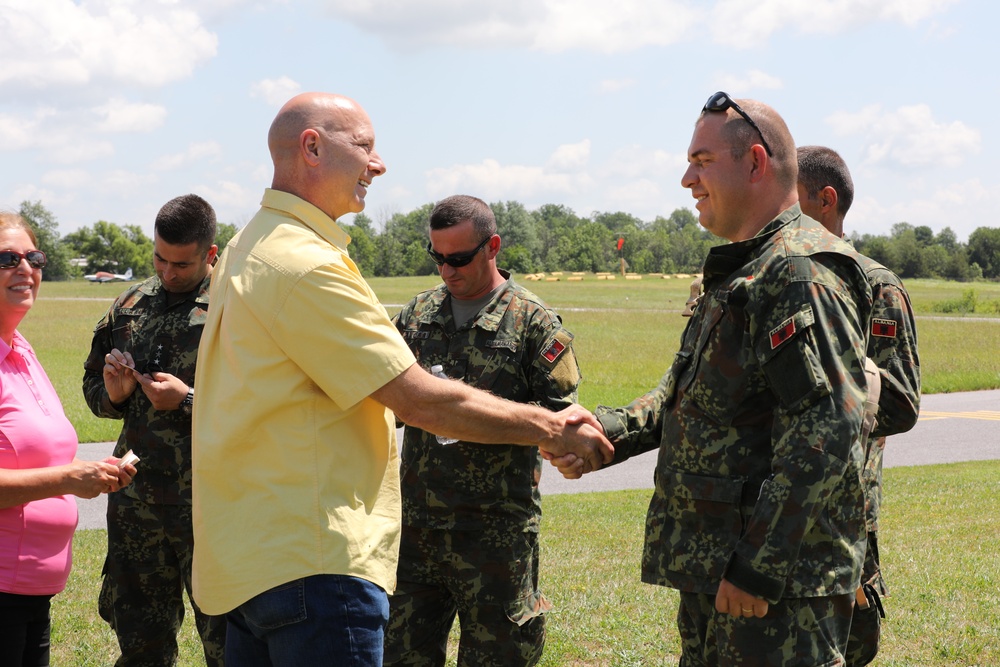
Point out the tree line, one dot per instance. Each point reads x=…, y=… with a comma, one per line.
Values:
x=550, y=238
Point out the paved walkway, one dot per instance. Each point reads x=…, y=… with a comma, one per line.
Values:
x=963, y=426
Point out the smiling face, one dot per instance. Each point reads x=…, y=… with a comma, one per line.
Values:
x=349, y=160
x=20, y=284
x=719, y=182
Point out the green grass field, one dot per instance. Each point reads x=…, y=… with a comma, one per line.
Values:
x=940, y=546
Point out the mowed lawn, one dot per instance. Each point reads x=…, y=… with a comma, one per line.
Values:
x=940, y=546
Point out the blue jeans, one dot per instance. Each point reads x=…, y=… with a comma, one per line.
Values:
x=320, y=620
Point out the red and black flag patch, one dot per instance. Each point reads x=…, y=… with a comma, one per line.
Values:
x=782, y=332
x=883, y=328
x=553, y=351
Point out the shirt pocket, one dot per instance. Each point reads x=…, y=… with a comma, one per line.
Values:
x=700, y=521
x=722, y=360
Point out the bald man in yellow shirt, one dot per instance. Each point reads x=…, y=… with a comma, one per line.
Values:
x=296, y=469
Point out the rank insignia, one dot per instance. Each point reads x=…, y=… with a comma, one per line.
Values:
x=782, y=332
x=884, y=328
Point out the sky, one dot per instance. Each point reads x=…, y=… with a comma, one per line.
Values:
x=109, y=108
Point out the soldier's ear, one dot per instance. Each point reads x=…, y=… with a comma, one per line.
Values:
x=828, y=199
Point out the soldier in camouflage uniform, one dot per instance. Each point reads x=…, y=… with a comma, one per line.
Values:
x=471, y=512
x=757, y=517
x=155, y=326
x=826, y=191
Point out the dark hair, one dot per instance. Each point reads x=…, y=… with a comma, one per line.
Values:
x=186, y=219
x=740, y=136
x=819, y=167
x=9, y=220
x=458, y=208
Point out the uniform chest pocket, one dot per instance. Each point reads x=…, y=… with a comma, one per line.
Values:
x=722, y=362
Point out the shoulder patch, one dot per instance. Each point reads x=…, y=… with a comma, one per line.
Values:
x=782, y=332
x=553, y=352
x=883, y=328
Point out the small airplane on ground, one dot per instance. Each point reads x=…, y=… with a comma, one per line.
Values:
x=106, y=277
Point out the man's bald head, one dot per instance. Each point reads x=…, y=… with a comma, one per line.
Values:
x=323, y=149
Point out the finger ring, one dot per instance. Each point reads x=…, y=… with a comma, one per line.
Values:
x=747, y=611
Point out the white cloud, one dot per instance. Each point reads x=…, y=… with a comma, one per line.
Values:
x=492, y=181
x=62, y=43
x=67, y=179
x=120, y=115
x=544, y=25
x=748, y=23
x=753, y=80
x=956, y=205
x=275, y=91
x=206, y=150
x=908, y=136
x=570, y=157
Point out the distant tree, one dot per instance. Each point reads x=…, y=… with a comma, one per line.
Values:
x=924, y=235
x=521, y=245
x=109, y=247
x=946, y=239
x=363, y=248
x=224, y=233
x=47, y=232
x=984, y=250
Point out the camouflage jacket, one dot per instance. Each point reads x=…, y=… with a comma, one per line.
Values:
x=514, y=348
x=757, y=420
x=892, y=345
x=159, y=338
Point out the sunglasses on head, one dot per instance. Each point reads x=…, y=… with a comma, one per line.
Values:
x=457, y=260
x=721, y=102
x=11, y=260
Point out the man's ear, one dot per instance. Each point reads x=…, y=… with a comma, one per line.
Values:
x=760, y=162
x=828, y=199
x=309, y=147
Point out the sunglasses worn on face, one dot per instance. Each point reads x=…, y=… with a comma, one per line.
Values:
x=11, y=260
x=721, y=102
x=458, y=260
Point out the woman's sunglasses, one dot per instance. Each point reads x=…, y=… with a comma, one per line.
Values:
x=11, y=260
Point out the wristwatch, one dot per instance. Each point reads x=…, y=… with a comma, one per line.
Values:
x=187, y=403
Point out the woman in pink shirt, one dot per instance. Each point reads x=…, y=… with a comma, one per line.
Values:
x=39, y=471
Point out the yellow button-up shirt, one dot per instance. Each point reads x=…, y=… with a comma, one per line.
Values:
x=295, y=468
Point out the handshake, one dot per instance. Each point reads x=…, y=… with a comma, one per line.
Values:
x=581, y=447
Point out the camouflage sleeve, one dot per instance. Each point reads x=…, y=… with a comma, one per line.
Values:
x=637, y=428
x=94, y=392
x=554, y=372
x=810, y=342
x=892, y=345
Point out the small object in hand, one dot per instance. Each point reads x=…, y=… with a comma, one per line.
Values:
x=129, y=457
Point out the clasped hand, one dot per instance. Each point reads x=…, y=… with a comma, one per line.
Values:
x=582, y=441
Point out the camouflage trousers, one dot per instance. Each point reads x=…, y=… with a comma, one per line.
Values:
x=489, y=579
x=806, y=632
x=866, y=623
x=147, y=570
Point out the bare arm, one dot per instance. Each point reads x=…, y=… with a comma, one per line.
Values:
x=452, y=408
x=86, y=479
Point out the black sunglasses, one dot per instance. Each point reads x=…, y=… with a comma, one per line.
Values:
x=11, y=260
x=722, y=101
x=457, y=260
